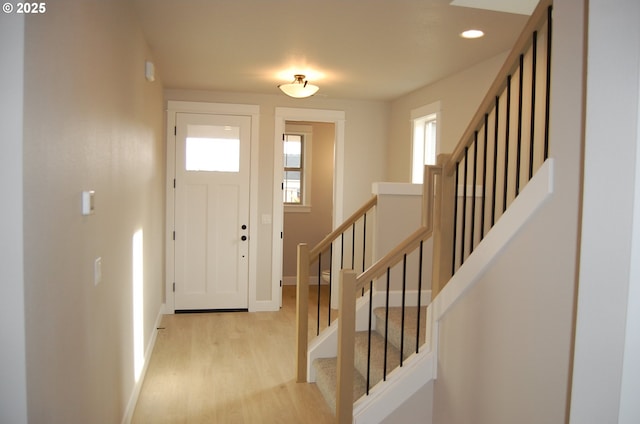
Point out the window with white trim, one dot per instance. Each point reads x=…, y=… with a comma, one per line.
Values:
x=296, y=187
x=425, y=139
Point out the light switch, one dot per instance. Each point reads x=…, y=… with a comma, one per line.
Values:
x=88, y=206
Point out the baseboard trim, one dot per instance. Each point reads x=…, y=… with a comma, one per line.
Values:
x=133, y=399
x=292, y=281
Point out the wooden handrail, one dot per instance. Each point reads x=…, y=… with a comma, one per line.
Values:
x=537, y=18
x=324, y=244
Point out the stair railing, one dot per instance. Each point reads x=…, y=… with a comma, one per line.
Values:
x=351, y=236
x=505, y=143
x=352, y=284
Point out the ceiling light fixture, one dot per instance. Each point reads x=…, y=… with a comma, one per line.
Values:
x=299, y=88
x=472, y=33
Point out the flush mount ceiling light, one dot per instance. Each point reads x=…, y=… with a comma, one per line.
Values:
x=299, y=88
x=472, y=33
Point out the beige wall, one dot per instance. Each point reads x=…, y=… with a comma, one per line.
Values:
x=364, y=152
x=92, y=122
x=311, y=227
x=459, y=96
x=505, y=349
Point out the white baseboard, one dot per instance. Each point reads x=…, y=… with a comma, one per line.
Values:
x=264, y=306
x=293, y=280
x=133, y=399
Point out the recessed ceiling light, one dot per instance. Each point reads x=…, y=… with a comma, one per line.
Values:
x=472, y=33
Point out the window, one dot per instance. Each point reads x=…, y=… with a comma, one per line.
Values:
x=425, y=139
x=212, y=148
x=293, y=187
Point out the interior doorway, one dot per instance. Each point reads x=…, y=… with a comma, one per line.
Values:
x=291, y=115
x=308, y=189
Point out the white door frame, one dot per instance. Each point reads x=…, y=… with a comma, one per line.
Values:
x=282, y=115
x=252, y=111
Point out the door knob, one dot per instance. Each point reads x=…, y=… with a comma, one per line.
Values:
x=243, y=238
x=244, y=227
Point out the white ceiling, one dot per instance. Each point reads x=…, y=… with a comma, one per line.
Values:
x=352, y=49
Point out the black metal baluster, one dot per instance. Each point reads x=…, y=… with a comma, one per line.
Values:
x=484, y=175
x=506, y=145
x=464, y=205
x=534, y=61
x=369, y=336
x=419, y=296
x=353, y=246
x=519, y=134
x=330, y=282
x=495, y=162
x=342, y=251
x=473, y=191
x=548, y=88
x=364, y=241
x=386, y=327
x=455, y=220
x=364, y=244
x=404, y=290
x=319, y=277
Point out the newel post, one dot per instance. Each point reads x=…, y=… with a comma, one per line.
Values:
x=346, y=346
x=443, y=216
x=302, y=312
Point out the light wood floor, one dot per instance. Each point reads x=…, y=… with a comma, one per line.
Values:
x=233, y=367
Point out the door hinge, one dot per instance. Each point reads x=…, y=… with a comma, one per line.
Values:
x=282, y=186
x=174, y=183
x=174, y=235
x=175, y=130
x=280, y=283
x=280, y=234
x=174, y=286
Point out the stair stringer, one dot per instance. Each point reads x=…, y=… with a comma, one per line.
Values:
x=401, y=383
x=326, y=344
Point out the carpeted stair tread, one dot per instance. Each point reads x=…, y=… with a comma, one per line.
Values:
x=326, y=376
x=395, y=325
x=377, y=368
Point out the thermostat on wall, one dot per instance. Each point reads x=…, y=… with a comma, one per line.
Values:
x=88, y=207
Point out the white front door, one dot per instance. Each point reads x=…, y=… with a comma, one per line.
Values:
x=212, y=211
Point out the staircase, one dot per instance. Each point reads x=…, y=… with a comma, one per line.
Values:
x=326, y=368
x=474, y=200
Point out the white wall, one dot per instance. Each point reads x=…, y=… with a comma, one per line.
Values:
x=13, y=391
x=92, y=122
x=365, y=144
x=605, y=375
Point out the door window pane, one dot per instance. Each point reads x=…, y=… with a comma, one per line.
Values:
x=213, y=148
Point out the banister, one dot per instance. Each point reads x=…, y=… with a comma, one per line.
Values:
x=538, y=17
x=325, y=242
